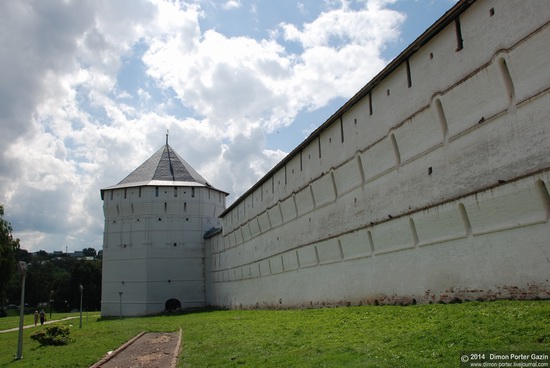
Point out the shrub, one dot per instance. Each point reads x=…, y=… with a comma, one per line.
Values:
x=53, y=335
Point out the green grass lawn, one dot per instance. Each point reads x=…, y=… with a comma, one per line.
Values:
x=371, y=336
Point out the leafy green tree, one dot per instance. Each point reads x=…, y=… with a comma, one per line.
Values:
x=89, y=252
x=87, y=274
x=41, y=255
x=8, y=247
x=70, y=274
x=58, y=279
x=23, y=255
x=42, y=278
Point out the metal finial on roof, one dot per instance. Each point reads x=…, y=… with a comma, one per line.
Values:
x=167, y=131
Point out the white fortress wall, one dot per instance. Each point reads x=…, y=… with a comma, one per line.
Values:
x=430, y=184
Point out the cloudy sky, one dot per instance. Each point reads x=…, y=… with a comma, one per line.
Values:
x=88, y=89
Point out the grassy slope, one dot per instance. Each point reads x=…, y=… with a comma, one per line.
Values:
x=382, y=336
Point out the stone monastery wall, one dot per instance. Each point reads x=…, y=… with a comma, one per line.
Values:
x=431, y=184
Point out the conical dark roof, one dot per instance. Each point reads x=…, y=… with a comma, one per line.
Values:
x=164, y=168
x=164, y=165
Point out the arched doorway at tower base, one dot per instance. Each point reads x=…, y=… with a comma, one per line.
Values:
x=172, y=305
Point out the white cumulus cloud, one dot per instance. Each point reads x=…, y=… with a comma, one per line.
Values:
x=89, y=88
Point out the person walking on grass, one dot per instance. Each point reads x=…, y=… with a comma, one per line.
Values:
x=42, y=316
x=35, y=317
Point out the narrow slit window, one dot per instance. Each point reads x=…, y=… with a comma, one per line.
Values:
x=342, y=128
x=156, y=191
x=193, y=192
x=370, y=103
x=459, y=41
x=409, y=80
x=175, y=191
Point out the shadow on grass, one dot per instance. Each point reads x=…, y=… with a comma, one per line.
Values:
x=184, y=312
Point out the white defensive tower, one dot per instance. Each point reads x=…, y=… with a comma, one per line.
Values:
x=155, y=221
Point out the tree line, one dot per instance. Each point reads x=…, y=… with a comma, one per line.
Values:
x=50, y=279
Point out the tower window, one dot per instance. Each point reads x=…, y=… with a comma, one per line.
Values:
x=193, y=192
x=156, y=191
x=175, y=191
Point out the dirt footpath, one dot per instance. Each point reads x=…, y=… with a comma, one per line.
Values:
x=146, y=350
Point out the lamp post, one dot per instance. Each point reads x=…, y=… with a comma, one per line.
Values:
x=81, y=292
x=120, y=304
x=23, y=271
x=51, y=301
